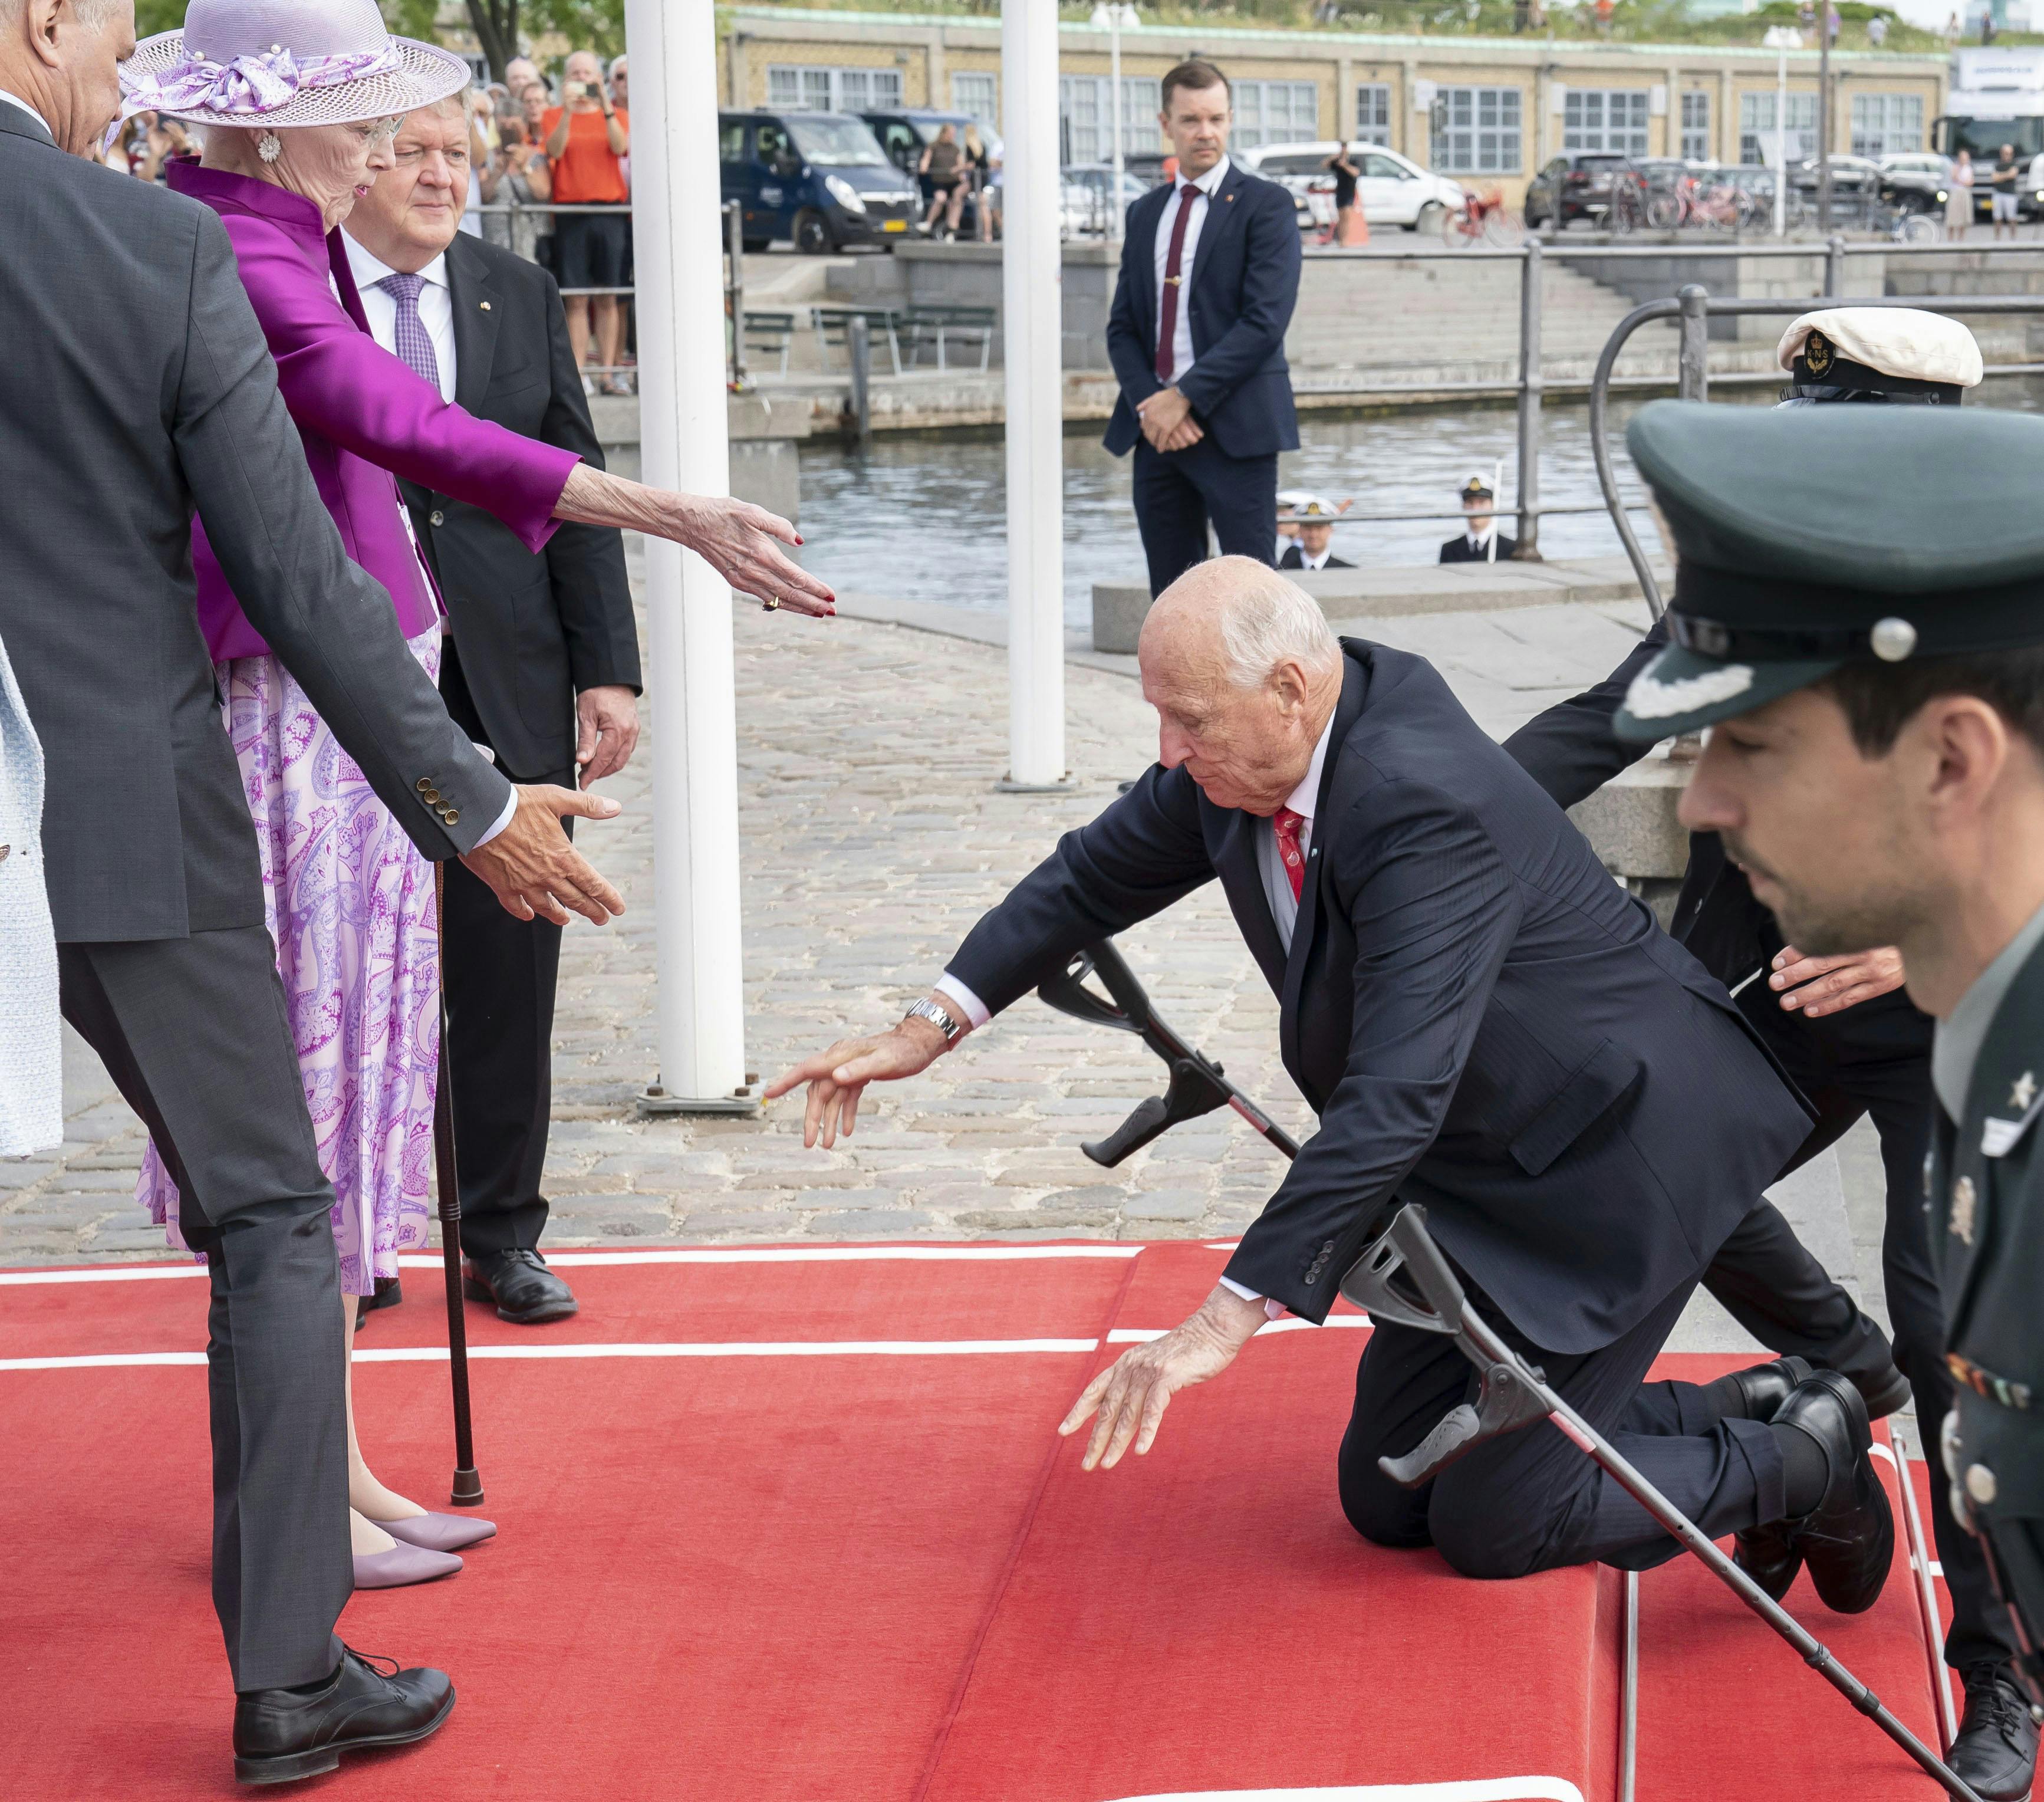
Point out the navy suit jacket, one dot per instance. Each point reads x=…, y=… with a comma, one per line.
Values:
x=1485, y=1022
x=1245, y=283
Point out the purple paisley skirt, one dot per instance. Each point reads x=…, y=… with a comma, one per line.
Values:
x=349, y=901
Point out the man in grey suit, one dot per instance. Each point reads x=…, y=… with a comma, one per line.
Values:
x=138, y=389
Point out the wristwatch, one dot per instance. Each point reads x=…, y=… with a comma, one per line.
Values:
x=927, y=1009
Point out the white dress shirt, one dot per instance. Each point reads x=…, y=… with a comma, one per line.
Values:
x=436, y=314
x=1480, y=542
x=16, y=100
x=1308, y=561
x=436, y=307
x=1181, y=337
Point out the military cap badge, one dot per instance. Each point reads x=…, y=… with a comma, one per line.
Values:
x=1817, y=353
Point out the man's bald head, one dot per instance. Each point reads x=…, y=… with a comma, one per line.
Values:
x=1244, y=672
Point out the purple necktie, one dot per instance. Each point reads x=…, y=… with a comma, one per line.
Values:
x=414, y=343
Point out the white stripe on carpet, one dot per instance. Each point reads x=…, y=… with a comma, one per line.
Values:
x=730, y=1348
x=1483, y=1789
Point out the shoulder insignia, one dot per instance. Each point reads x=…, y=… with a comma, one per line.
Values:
x=1998, y=1137
x=1963, y=1201
x=2025, y=1091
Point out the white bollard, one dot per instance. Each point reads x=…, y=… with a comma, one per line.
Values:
x=1031, y=288
x=677, y=191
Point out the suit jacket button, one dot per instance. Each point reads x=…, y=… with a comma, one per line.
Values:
x=439, y=518
x=433, y=796
x=1980, y=1484
x=423, y=783
x=452, y=816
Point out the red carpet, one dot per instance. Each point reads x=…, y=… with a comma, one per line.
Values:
x=790, y=1528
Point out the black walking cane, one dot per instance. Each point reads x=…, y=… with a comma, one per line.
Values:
x=1510, y=1394
x=467, y=1483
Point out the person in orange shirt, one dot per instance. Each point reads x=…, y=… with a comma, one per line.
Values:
x=586, y=138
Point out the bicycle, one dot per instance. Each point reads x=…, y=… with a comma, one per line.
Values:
x=1483, y=219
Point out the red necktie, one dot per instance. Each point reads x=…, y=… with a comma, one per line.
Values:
x=1167, y=308
x=1286, y=824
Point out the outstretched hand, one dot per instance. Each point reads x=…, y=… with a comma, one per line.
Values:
x=534, y=868
x=1818, y=985
x=838, y=1077
x=1131, y=1394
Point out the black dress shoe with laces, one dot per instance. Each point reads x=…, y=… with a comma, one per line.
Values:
x=527, y=1293
x=281, y=1735
x=1848, y=1538
x=1996, y=1750
x=1766, y=1554
x=389, y=1293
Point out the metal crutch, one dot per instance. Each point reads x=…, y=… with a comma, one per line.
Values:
x=467, y=1491
x=1513, y=1393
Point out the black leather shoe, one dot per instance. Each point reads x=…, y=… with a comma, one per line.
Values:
x=1763, y=1388
x=281, y=1735
x=1848, y=1539
x=1885, y=1390
x=525, y=1291
x=1766, y=1554
x=389, y=1293
x=1996, y=1750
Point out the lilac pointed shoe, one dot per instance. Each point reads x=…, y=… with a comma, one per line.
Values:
x=401, y=1565
x=440, y=1532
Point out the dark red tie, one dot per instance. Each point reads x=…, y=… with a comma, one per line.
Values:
x=1286, y=824
x=1167, y=308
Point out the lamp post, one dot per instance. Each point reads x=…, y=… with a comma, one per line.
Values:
x=1825, y=14
x=1114, y=16
x=1779, y=39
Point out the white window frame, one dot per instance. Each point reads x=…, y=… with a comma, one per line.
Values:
x=809, y=87
x=1373, y=113
x=1696, y=125
x=1085, y=116
x=1478, y=131
x=1756, y=114
x=1275, y=112
x=1884, y=124
x=978, y=91
x=1610, y=121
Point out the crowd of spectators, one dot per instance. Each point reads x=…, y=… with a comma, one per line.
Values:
x=534, y=145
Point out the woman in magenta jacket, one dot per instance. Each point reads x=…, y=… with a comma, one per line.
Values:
x=299, y=112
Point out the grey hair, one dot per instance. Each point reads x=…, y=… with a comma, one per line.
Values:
x=1265, y=623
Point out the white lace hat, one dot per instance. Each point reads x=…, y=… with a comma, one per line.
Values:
x=278, y=63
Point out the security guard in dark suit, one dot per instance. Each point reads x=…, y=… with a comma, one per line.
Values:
x=1481, y=542
x=1865, y=615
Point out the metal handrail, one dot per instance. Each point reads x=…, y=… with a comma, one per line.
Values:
x=1695, y=308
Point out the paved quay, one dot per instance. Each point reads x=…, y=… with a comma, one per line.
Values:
x=872, y=838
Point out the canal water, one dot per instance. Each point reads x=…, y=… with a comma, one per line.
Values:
x=920, y=518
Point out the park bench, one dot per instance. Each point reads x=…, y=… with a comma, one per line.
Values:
x=833, y=326
x=928, y=324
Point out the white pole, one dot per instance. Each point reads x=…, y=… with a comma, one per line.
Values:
x=1114, y=199
x=676, y=196
x=1781, y=142
x=1031, y=265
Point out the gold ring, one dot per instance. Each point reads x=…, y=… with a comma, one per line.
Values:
x=768, y=606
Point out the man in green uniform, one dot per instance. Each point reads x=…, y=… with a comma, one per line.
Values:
x=1859, y=614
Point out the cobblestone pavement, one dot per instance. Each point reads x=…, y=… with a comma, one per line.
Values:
x=873, y=837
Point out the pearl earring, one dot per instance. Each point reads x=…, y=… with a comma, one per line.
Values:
x=269, y=146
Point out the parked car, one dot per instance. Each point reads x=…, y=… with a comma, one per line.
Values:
x=819, y=178
x=1579, y=185
x=1146, y=166
x=1390, y=190
x=1856, y=184
x=1915, y=181
x=1086, y=209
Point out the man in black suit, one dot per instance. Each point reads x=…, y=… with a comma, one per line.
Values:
x=541, y=664
x=1209, y=276
x=1487, y=1025
x=1480, y=542
x=1314, y=548
x=138, y=390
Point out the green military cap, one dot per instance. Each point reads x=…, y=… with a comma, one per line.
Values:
x=1809, y=537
